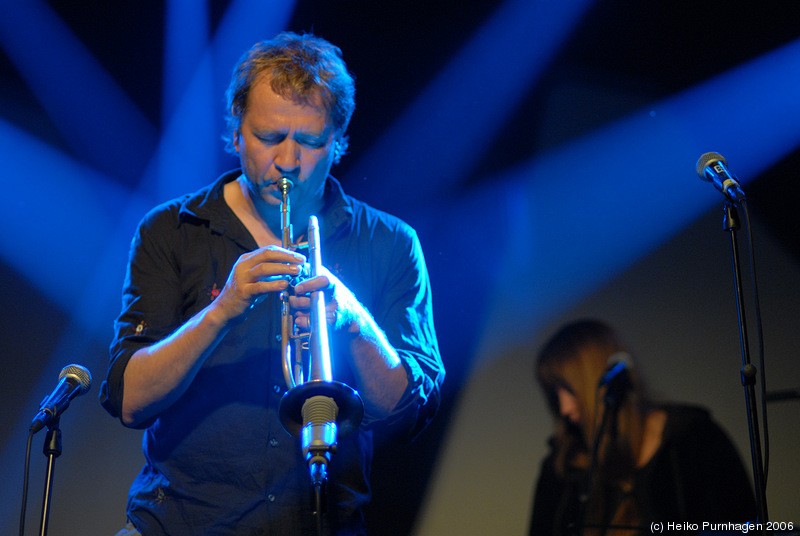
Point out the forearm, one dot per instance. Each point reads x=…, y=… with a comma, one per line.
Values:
x=156, y=376
x=381, y=378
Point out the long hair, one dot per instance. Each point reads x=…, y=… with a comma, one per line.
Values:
x=575, y=359
x=301, y=68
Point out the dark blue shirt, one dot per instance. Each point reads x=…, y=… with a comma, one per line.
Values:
x=218, y=461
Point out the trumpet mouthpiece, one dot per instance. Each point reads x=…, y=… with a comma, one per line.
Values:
x=285, y=184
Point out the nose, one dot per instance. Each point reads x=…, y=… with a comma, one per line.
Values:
x=568, y=405
x=287, y=157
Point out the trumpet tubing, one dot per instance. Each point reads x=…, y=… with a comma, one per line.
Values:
x=316, y=408
x=292, y=343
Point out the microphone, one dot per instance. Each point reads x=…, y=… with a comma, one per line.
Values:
x=74, y=380
x=616, y=378
x=712, y=167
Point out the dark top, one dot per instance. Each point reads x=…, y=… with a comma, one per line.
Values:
x=695, y=476
x=218, y=460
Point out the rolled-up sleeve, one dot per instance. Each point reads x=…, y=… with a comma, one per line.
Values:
x=405, y=312
x=150, y=305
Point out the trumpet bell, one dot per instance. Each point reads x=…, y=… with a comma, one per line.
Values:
x=349, y=407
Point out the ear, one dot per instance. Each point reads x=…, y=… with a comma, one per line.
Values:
x=236, y=134
x=235, y=140
x=339, y=148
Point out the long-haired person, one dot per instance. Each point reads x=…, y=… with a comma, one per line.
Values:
x=620, y=461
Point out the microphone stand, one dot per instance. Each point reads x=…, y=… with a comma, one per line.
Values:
x=52, y=449
x=748, y=371
x=319, y=506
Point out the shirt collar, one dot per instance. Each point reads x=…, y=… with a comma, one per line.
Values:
x=208, y=205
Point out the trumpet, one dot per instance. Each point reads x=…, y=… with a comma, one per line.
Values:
x=316, y=408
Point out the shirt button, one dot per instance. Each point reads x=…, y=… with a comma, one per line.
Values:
x=271, y=497
x=273, y=442
x=277, y=388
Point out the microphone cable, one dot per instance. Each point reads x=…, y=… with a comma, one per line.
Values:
x=759, y=338
x=26, y=474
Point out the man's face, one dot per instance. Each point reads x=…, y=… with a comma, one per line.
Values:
x=282, y=138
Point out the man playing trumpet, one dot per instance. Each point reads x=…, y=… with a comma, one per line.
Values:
x=196, y=355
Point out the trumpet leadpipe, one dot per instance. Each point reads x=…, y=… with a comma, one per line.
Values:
x=285, y=185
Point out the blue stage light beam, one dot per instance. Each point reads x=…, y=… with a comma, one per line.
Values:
x=186, y=36
x=579, y=215
x=94, y=116
x=190, y=152
x=446, y=127
x=187, y=145
x=62, y=219
x=245, y=23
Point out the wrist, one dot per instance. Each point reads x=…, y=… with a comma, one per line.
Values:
x=215, y=317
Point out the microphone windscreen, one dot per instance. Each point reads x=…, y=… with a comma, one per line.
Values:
x=707, y=159
x=78, y=373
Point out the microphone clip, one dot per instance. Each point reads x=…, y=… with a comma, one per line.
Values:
x=616, y=379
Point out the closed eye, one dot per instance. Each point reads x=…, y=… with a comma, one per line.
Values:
x=271, y=139
x=312, y=142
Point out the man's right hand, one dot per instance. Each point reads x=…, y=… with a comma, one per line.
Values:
x=255, y=275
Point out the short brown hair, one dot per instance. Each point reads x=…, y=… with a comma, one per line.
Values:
x=300, y=67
